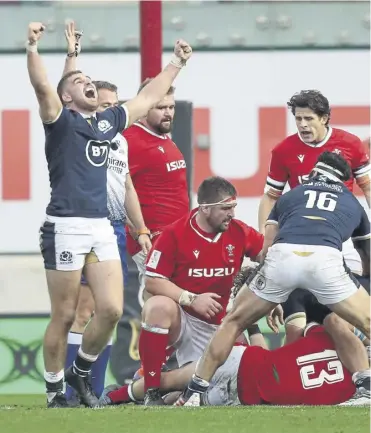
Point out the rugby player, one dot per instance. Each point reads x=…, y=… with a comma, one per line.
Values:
x=307, y=372
x=122, y=201
x=76, y=224
x=189, y=273
x=294, y=158
x=304, y=235
x=158, y=171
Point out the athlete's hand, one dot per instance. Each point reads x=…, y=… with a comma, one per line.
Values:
x=274, y=318
x=73, y=37
x=145, y=243
x=182, y=50
x=35, y=31
x=206, y=305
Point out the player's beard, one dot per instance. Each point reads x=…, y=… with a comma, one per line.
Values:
x=164, y=128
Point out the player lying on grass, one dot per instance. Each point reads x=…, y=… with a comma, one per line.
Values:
x=305, y=372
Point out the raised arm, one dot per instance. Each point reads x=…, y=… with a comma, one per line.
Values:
x=50, y=105
x=153, y=93
x=73, y=47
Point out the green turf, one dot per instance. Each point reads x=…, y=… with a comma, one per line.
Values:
x=27, y=414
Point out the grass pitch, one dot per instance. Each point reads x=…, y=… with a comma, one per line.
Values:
x=27, y=414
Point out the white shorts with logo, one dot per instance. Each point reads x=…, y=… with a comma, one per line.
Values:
x=65, y=241
x=223, y=386
x=193, y=338
x=319, y=269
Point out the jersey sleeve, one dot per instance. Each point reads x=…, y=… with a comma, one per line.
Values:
x=134, y=158
x=277, y=175
x=362, y=232
x=56, y=130
x=360, y=160
x=118, y=117
x=273, y=216
x=60, y=123
x=253, y=241
x=161, y=259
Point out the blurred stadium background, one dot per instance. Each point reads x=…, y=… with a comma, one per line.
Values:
x=249, y=58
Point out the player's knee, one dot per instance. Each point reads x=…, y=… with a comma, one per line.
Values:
x=82, y=318
x=64, y=318
x=158, y=309
x=110, y=313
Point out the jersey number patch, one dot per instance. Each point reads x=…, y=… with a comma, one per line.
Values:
x=322, y=200
x=332, y=373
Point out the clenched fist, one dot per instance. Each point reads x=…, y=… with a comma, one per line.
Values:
x=35, y=30
x=182, y=53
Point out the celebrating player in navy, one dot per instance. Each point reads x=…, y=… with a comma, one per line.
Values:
x=76, y=224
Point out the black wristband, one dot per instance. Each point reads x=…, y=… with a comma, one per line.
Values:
x=253, y=329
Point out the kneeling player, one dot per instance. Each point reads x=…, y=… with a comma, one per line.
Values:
x=307, y=372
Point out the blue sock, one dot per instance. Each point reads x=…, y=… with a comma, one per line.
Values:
x=73, y=344
x=99, y=368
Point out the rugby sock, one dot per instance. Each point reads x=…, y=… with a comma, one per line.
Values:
x=73, y=344
x=83, y=362
x=99, y=368
x=54, y=383
x=152, y=351
x=120, y=395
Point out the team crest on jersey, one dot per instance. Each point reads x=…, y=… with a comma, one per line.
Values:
x=97, y=152
x=230, y=251
x=104, y=126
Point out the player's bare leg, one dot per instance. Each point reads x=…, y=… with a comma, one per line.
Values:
x=63, y=287
x=355, y=310
x=84, y=310
x=294, y=328
x=247, y=309
x=161, y=328
x=351, y=351
x=106, y=283
x=175, y=380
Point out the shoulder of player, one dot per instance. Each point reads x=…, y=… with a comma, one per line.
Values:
x=346, y=137
x=241, y=226
x=285, y=144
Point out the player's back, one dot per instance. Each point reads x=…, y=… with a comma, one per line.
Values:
x=318, y=213
x=306, y=372
x=158, y=171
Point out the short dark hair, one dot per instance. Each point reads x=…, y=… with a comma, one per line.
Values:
x=105, y=85
x=214, y=189
x=148, y=80
x=337, y=162
x=62, y=82
x=312, y=99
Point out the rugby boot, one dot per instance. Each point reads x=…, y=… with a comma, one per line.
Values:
x=83, y=388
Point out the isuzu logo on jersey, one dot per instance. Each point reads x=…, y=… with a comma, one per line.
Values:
x=209, y=273
x=176, y=165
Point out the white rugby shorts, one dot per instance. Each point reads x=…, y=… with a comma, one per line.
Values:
x=193, y=338
x=65, y=242
x=319, y=269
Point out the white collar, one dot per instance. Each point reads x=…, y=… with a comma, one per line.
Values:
x=214, y=240
x=86, y=116
x=321, y=143
x=163, y=137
